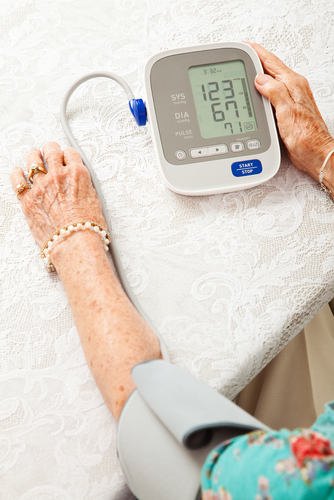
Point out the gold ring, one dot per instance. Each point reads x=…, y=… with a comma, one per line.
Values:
x=20, y=188
x=34, y=169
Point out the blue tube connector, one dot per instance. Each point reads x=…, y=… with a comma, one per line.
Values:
x=138, y=109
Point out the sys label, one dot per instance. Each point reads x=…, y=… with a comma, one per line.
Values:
x=248, y=167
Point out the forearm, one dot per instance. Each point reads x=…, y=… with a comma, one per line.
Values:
x=113, y=335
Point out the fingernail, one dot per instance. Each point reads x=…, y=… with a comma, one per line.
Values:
x=32, y=149
x=262, y=79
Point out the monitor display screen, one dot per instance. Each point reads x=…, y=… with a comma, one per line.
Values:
x=222, y=99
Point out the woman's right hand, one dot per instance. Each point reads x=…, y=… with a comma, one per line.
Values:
x=62, y=196
x=299, y=121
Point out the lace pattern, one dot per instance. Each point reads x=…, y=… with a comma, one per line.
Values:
x=227, y=279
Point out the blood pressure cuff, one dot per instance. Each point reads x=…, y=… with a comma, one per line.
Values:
x=168, y=426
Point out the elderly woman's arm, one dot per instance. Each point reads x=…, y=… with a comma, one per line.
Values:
x=113, y=335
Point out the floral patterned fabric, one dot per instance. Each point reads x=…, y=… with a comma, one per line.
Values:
x=274, y=465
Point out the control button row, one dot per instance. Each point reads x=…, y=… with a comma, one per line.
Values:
x=222, y=149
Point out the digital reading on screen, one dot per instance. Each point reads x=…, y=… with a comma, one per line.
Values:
x=222, y=99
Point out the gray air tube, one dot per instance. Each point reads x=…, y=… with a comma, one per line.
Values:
x=112, y=245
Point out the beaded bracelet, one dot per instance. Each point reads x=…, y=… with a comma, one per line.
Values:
x=321, y=174
x=59, y=235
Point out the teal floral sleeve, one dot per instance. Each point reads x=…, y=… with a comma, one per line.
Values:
x=274, y=465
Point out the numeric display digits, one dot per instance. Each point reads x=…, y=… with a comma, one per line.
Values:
x=222, y=99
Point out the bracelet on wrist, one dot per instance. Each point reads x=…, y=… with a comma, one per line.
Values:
x=321, y=174
x=66, y=231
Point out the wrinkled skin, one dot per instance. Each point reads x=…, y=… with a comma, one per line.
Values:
x=301, y=126
x=65, y=194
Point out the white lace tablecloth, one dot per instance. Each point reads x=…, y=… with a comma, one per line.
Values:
x=228, y=280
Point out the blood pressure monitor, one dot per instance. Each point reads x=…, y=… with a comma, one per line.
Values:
x=212, y=130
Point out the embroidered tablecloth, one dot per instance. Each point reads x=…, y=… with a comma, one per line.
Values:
x=228, y=279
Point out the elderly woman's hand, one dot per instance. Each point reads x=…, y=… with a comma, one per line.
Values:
x=64, y=195
x=300, y=123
